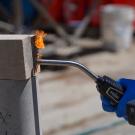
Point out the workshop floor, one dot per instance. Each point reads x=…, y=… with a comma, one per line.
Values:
x=70, y=103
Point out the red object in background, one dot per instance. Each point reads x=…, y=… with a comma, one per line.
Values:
x=73, y=11
x=94, y=20
x=55, y=8
x=125, y=2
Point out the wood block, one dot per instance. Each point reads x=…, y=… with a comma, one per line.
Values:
x=16, y=61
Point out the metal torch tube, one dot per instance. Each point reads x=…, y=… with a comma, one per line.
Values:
x=68, y=63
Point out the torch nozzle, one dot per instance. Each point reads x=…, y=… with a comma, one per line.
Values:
x=68, y=63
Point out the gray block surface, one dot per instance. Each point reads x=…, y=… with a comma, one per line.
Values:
x=16, y=60
x=19, y=107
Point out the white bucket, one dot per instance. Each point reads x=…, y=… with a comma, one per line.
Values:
x=117, y=26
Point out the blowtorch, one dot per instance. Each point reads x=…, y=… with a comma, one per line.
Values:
x=105, y=85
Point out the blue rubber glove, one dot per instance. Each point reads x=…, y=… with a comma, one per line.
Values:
x=120, y=109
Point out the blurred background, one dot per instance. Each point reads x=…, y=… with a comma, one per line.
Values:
x=96, y=33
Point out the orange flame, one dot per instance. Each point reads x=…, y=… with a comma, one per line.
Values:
x=39, y=39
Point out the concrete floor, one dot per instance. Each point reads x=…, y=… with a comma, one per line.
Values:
x=70, y=103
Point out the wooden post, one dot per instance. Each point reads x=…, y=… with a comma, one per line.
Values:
x=19, y=113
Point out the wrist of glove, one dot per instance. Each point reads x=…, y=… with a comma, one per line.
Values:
x=120, y=109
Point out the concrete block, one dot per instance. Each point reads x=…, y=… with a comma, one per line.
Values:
x=19, y=112
x=16, y=61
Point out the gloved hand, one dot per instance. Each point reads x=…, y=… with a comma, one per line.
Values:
x=120, y=109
